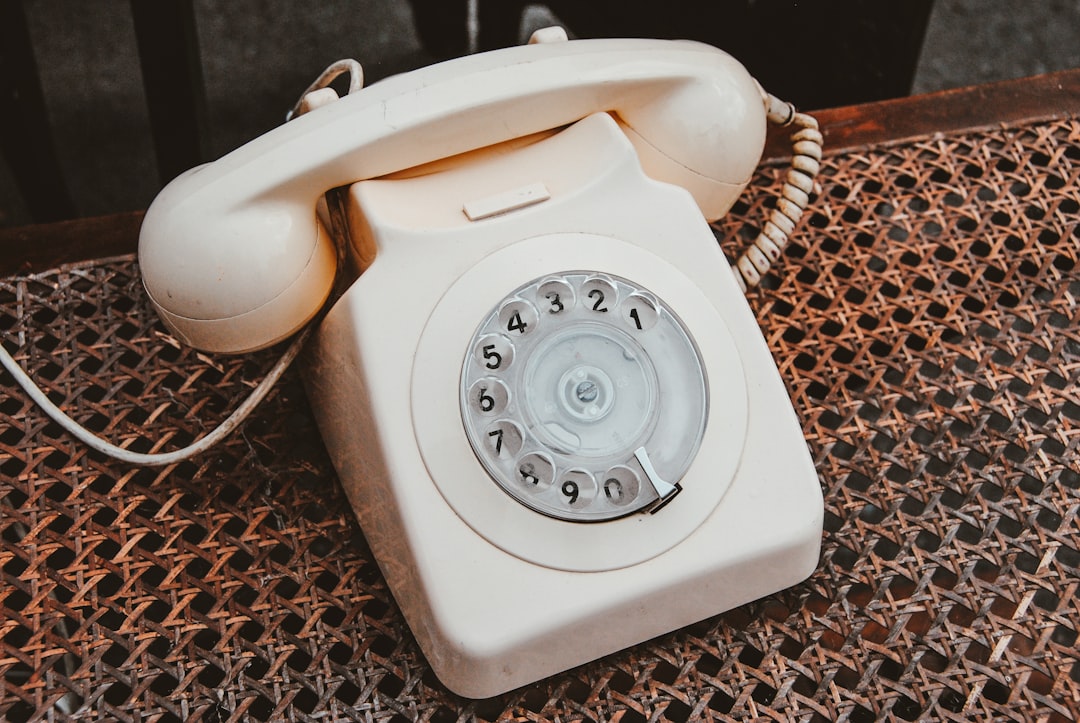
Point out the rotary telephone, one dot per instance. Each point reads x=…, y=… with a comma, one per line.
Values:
x=539, y=380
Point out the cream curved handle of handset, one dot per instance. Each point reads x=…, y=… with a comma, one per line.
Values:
x=232, y=253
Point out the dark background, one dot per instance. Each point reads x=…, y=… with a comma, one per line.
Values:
x=256, y=56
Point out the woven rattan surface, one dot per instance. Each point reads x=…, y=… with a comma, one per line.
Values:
x=927, y=322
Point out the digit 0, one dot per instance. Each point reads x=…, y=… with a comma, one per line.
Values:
x=613, y=490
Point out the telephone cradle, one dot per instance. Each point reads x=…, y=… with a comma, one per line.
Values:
x=543, y=390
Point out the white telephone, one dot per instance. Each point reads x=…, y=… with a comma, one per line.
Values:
x=544, y=393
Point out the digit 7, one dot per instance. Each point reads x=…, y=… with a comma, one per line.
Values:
x=498, y=435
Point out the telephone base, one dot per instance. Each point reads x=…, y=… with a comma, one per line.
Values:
x=498, y=594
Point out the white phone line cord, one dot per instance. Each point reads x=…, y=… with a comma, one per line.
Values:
x=155, y=459
x=241, y=413
x=750, y=266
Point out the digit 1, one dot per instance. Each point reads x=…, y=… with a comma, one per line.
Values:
x=636, y=318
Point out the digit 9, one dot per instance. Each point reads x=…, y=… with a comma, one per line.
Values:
x=577, y=488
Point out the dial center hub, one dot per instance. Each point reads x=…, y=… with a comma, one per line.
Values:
x=587, y=393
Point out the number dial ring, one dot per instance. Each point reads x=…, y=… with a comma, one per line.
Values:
x=462, y=480
x=591, y=382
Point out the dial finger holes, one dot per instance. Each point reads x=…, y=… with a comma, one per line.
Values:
x=504, y=440
x=535, y=472
x=621, y=486
x=518, y=317
x=640, y=312
x=577, y=488
x=599, y=294
x=494, y=352
x=555, y=296
x=488, y=397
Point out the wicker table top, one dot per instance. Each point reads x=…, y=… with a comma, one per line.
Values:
x=927, y=322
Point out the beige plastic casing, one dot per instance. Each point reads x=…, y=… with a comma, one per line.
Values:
x=497, y=595
x=232, y=254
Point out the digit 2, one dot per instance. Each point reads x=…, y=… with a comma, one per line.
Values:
x=599, y=296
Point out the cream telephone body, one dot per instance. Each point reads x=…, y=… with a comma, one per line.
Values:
x=544, y=393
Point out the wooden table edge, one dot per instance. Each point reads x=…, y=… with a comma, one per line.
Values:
x=1003, y=103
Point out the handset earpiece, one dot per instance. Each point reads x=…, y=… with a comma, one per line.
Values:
x=705, y=134
x=234, y=257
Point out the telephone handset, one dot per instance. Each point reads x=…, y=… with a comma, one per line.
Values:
x=232, y=253
x=544, y=392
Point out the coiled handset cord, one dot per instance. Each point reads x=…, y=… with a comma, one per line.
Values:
x=754, y=262
x=806, y=144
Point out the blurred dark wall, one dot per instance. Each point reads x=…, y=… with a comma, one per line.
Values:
x=814, y=54
x=257, y=55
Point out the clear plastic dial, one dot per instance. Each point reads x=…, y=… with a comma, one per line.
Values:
x=584, y=397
